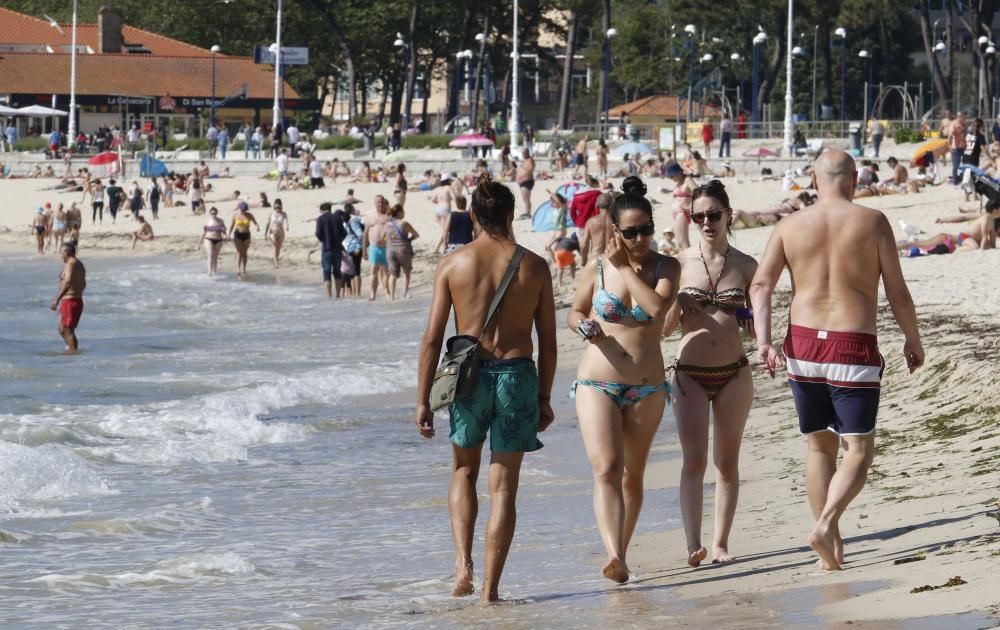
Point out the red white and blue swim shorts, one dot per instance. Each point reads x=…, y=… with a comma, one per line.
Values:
x=835, y=378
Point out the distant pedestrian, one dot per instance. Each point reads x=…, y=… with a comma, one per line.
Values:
x=223, y=142
x=316, y=174
x=726, y=132
x=330, y=231
x=707, y=136
x=213, y=141
x=957, y=144
x=282, y=163
x=153, y=197
x=69, y=300
x=877, y=132
x=396, y=138
x=293, y=139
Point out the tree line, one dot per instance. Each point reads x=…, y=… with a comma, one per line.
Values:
x=353, y=45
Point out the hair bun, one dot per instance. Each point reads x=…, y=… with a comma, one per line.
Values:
x=634, y=185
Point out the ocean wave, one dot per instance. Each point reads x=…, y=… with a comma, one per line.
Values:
x=186, y=568
x=44, y=473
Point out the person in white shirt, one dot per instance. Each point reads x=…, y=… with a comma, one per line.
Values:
x=726, y=129
x=282, y=161
x=132, y=138
x=293, y=138
x=316, y=174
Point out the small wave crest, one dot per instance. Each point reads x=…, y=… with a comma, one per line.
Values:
x=44, y=473
x=186, y=568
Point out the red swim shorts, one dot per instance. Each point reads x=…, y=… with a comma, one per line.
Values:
x=69, y=312
x=564, y=258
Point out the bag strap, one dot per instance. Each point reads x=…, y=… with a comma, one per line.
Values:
x=515, y=262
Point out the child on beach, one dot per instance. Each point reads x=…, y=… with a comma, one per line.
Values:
x=565, y=256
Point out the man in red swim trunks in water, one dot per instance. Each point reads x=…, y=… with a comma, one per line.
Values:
x=72, y=282
x=836, y=251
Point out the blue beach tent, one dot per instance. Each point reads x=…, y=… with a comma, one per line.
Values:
x=151, y=167
x=542, y=219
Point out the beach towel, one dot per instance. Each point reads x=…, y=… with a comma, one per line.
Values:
x=583, y=206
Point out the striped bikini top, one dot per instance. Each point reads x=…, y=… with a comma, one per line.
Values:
x=728, y=301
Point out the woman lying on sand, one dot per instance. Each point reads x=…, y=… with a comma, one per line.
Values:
x=770, y=216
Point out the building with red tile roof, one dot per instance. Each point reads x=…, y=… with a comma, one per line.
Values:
x=660, y=108
x=126, y=75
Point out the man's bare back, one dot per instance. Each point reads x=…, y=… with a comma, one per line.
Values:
x=595, y=236
x=836, y=252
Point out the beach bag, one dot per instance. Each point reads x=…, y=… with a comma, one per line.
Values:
x=458, y=374
x=347, y=265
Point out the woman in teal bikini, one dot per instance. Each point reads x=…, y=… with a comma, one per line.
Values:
x=621, y=300
x=711, y=370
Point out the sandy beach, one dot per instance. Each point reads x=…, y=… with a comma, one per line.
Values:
x=931, y=509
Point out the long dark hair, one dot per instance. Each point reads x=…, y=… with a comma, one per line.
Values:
x=633, y=197
x=493, y=206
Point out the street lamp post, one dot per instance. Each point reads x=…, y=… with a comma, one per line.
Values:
x=758, y=39
x=211, y=109
x=515, y=103
x=985, y=48
x=737, y=59
x=841, y=32
x=938, y=47
x=789, y=130
x=706, y=58
x=276, y=109
x=400, y=43
x=864, y=54
x=72, y=85
x=690, y=30
x=815, y=53
x=608, y=34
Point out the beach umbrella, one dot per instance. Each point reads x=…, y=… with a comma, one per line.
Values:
x=632, y=148
x=470, y=140
x=108, y=157
x=38, y=110
x=936, y=147
x=399, y=156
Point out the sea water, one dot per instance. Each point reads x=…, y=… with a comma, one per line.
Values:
x=242, y=453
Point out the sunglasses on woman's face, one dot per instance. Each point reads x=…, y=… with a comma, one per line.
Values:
x=629, y=234
x=712, y=216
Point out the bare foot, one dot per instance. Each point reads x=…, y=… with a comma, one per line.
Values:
x=463, y=581
x=838, y=546
x=616, y=571
x=696, y=553
x=821, y=539
x=721, y=555
x=489, y=597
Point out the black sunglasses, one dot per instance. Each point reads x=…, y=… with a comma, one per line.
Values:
x=713, y=216
x=630, y=233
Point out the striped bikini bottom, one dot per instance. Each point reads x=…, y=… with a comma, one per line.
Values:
x=712, y=379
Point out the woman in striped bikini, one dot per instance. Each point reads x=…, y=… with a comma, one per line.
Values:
x=711, y=370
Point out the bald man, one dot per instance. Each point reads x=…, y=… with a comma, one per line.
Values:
x=836, y=252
